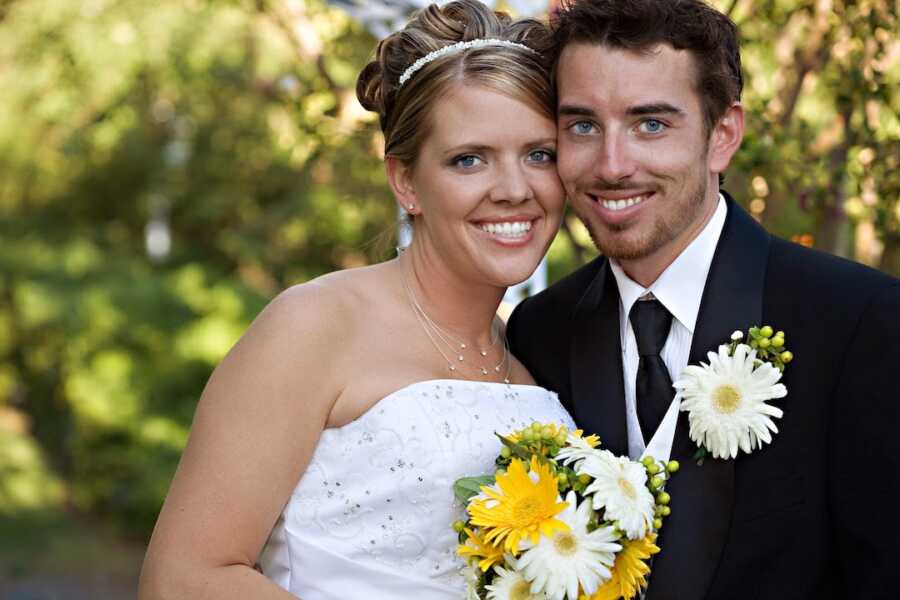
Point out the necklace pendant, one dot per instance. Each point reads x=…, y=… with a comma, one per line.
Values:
x=484, y=371
x=460, y=358
x=497, y=368
x=484, y=352
x=452, y=368
x=463, y=346
x=506, y=381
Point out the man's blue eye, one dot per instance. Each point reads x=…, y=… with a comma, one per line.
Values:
x=582, y=127
x=652, y=126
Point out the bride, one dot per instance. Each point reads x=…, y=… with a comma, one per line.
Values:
x=324, y=448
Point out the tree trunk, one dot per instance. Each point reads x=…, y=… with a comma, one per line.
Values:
x=834, y=229
x=890, y=258
x=833, y=233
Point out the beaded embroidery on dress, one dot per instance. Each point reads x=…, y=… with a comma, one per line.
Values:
x=371, y=517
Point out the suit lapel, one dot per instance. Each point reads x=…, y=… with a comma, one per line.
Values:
x=693, y=537
x=598, y=392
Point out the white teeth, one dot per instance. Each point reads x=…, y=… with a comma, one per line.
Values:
x=507, y=229
x=622, y=204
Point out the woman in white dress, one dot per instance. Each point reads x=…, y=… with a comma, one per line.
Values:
x=324, y=448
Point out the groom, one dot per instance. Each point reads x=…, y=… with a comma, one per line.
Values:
x=649, y=117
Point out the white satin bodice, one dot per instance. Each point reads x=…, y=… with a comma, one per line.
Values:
x=371, y=517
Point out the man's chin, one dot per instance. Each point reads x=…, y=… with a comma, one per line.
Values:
x=621, y=242
x=626, y=251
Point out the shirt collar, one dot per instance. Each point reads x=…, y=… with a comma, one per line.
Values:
x=680, y=287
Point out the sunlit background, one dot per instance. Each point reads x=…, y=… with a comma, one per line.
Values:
x=167, y=167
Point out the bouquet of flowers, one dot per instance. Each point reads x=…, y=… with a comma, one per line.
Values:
x=561, y=518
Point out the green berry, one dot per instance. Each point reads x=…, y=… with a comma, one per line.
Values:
x=547, y=432
x=657, y=523
x=647, y=461
x=665, y=511
x=766, y=331
x=562, y=479
x=777, y=342
x=764, y=343
x=584, y=478
x=663, y=498
x=786, y=357
x=657, y=482
x=653, y=468
x=672, y=466
x=458, y=526
x=505, y=452
x=779, y=334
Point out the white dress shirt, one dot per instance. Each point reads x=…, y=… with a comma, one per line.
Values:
x=679, y=288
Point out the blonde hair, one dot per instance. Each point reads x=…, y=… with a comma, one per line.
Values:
x=404, y=111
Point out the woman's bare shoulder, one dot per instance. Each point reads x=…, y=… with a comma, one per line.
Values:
x=339, y=293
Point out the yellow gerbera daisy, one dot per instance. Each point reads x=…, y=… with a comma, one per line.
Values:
x=476, y=548
x=524, y=506
x=629, y=573
x=591, y=440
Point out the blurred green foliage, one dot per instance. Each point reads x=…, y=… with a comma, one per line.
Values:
x=167, y=167
x=223, y=123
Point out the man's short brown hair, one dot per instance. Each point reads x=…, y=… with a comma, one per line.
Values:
x=693, y=25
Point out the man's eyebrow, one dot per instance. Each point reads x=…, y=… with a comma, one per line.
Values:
x=655, y=108
x=578, y=111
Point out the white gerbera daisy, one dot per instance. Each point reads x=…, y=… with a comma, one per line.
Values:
x=620, y=488
x=557, y=565
x=509, y=584
x=726, y=401
x=577, y=448
x=471, y=573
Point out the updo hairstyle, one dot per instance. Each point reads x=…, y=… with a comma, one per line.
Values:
x=404, y=111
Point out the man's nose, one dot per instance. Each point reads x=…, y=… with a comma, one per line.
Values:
x=614, y=160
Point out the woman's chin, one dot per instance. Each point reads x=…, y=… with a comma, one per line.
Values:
x=510, y=273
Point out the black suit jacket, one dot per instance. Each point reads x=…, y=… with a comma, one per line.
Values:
x=814, y=515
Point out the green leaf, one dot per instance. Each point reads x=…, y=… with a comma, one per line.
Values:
x=700, y=454
x=518, y=450
x=467, y=487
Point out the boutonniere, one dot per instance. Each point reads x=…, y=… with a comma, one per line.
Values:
x=727, y=398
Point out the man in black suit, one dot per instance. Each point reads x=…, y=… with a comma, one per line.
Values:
x=649, y=117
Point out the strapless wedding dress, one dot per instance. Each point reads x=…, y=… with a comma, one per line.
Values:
x=371, y=517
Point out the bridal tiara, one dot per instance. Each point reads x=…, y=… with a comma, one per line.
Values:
x=458, y=47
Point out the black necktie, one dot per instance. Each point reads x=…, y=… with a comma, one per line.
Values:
x=653, y=390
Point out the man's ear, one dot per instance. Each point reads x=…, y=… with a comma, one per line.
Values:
x=400, y=177
x=726, y=138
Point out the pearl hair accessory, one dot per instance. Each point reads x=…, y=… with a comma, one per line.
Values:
x=458, y=47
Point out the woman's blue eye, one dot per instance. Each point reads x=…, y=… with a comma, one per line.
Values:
x=541, y=156
x=652, y=126
x=466, y=161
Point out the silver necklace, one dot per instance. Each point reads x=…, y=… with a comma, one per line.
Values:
x=433, y=331
x=447, y=337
